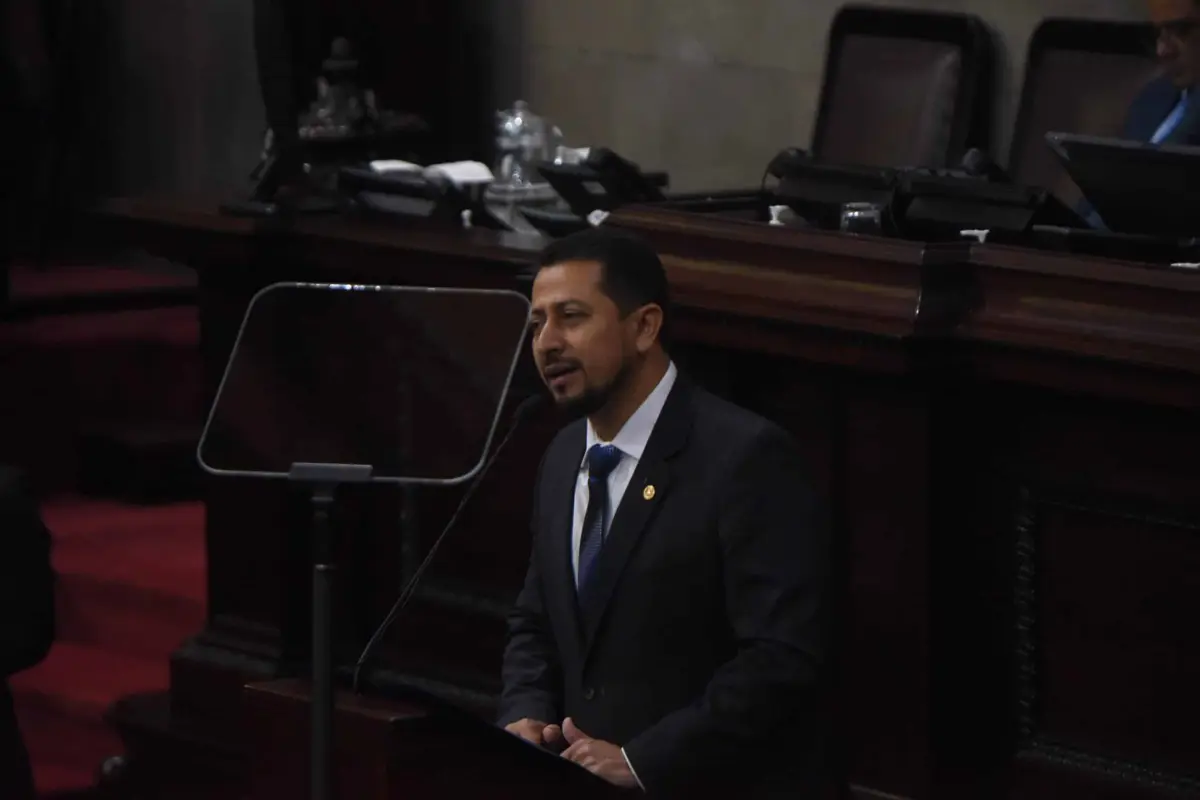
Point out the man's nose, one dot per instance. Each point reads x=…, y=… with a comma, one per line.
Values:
x=547, y=339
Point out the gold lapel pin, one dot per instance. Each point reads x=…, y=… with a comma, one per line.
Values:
x=648, y=492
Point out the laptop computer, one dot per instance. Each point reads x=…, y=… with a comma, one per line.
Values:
x=1135, y=187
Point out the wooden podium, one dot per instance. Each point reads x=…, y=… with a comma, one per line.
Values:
x=387, y=750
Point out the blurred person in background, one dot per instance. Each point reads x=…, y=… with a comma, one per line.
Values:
x=27, y=618
x=1163, y=112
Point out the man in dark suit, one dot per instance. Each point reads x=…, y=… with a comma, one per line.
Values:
x=26, y=617
x=671, y=629
x=1163, y=112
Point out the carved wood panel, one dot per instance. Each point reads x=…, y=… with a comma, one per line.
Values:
x=1106, y=542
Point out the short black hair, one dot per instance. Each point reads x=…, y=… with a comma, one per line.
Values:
x=632, y=274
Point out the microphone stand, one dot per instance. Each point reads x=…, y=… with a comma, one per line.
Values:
x=325, y=480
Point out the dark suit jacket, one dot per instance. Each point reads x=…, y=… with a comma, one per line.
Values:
x=703, y=638
x=26, y=617
x=1147, y=111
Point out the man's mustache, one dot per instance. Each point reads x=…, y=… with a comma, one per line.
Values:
x=560, y=367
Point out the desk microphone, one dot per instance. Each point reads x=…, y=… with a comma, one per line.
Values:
x=522, y=413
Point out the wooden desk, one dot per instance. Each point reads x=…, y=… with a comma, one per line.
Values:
x=1008, y=438
x=395, y=751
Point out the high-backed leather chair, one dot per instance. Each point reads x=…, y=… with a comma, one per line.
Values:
x=1080, y=77
x=904, y=88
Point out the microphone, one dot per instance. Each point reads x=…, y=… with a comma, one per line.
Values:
x=522, y=413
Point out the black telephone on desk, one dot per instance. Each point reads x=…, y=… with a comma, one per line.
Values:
x=603, y=181
x=416, y=195
x=916, y=202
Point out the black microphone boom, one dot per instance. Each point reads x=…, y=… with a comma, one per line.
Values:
x=523, y=412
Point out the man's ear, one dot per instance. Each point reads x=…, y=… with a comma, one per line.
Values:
x=649, y=319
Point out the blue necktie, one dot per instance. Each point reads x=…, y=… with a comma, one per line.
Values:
x=1168, y=125
x=602, y=459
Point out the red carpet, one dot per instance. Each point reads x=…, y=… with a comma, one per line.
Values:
x=131, y=588
x=131, y=579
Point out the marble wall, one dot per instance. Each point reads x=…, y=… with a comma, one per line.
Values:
x=711, y=89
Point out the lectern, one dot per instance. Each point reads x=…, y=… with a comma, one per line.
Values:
x=409, y=749
x=330, y=384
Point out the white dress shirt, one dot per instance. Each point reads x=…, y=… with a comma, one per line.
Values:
x=631, y=441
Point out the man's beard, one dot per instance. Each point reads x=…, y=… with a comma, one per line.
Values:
x=595, y=398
